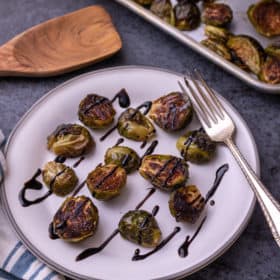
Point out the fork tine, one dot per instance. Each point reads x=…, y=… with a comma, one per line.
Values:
x=188, y=92
x=220, y=108
x=211, y=109
x=204, y=111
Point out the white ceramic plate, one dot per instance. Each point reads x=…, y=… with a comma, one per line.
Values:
x=26, y=151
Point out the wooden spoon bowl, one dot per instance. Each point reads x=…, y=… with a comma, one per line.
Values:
x=61, y=44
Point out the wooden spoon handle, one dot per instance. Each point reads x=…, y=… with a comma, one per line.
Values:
x=8, y=63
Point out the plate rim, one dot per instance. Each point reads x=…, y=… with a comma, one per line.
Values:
x=64, y=271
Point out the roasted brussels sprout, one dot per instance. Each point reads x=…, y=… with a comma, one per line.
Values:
x=186, y=204
x=144, y=2
x=124, y=157
x=195, y=146
x=273, y=49
x=61, y=179
x=70, y=140
x=96, y=111
x=265, y=17
x=132, y=124
x=187, y=16
x=171, y=112
x=140, y=227
x=216, y=33
x=106, y=181
x=270, y=72
x=164, y=171
x=217, y=14
x=248, y=51
x=76, y=219
x=218, y=47
x=163, y=9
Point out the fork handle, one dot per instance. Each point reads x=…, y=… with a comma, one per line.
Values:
x=269, y=205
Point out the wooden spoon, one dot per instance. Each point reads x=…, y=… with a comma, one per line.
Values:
x=61, y=44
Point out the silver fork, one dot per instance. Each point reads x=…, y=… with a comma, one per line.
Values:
x=220, y=128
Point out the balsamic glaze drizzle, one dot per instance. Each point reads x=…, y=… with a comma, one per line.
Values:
x=141, y=203
x=219, y=176
x=183, y=250
x=138, y=257
x=120, y=140
x=92, y=251
x=150, y=149
x=52, y=234
x=79, y=188
x=146, y=105
x=124, y=100
x=190, y=140
x=143, y=145
x=77, y=163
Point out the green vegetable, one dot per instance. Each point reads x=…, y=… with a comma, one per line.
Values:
x=70, y=140
x=247, y=50
x=164, y=171
x=61, y=178
x=218, y=34
x=270, y=72
x=76, y=219
x=132, y=124
x=96, y=111
x=217, y=14
x=187, y=16
x=218, y=47
x=186, y=204
x=124, y=157
x=164, y=10
x=140, y=227
x=106, y=181
x=265, y=17
x=171, y=112
x=196, y=147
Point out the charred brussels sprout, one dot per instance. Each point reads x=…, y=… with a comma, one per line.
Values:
x=270, y=72
x=61, y=179
x=132, y=124
x=106, y=182
x=273, y=49
x=70, y=140
x=144, y=2
x=217, y=14
x=140, y=227
x=186, y=204
x=218, y=47
x=124, y=157
x=265, y=17
x=196, y=147
x=187, y=16
x=218, y=34
x=163, y=9
x=76, y=219
x=96, y=111
x=248, y=51
x=164, y=171
x=172, y=111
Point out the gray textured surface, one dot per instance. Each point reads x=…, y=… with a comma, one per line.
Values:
x=255, y=255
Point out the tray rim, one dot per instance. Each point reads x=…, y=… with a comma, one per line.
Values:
x=64, y=271
x=199, y=48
